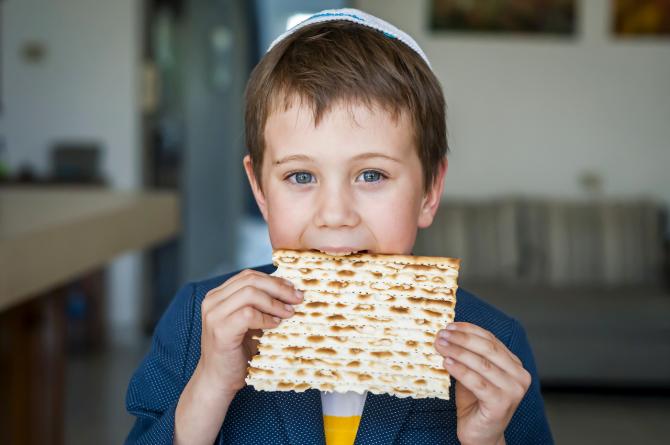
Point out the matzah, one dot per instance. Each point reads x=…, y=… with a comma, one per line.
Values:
x=367, y=323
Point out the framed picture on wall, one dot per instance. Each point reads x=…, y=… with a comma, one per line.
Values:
x=641, y=18
x=547, y=17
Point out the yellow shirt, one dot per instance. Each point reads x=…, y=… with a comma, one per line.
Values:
x=341, y=416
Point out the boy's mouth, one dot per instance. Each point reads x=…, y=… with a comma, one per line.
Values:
x=339, y=251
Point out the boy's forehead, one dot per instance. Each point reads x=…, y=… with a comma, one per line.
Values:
x=304, y=112
x=348, y=128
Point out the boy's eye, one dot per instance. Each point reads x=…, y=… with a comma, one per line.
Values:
x=301, y=178
x=371, y=176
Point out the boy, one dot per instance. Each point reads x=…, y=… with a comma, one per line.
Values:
x=347, y=139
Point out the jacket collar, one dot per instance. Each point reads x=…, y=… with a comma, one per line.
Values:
x=383, y=416
x=302, y=415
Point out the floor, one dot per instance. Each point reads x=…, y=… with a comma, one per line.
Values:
x=95, y=395
x=97, y=383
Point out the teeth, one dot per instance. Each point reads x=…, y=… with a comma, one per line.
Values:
x=338, y=253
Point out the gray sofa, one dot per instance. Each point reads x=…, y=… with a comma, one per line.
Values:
x=587, y=279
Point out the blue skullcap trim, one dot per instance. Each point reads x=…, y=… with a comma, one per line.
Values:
x=335, y=14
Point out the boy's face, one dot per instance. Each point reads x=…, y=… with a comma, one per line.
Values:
x=347, y=185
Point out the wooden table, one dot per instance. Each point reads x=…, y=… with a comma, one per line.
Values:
x=48, y=238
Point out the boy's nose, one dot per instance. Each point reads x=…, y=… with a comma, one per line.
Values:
x=336, y=209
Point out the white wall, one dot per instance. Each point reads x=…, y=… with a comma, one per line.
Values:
x=86, y=87
x=529, y=115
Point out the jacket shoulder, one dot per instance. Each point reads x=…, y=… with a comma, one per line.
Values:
x=472, y=309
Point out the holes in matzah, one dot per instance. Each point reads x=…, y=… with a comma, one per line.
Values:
x=403, y=391
x=342, y=328
x=336, y=317
x=432, y=313
x=261, y=371
x=326, y=373
x=365, y=329
x=399, y=310
x=329, y=351
x=380, y=286
x=381, y=354
x=285, y=385
x=338, y=284
x=364, y=377
x=345, y=273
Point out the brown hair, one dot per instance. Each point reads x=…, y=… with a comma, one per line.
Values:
x=342, y=62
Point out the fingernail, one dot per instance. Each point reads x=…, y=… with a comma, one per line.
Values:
x=277, y=319
x=449, y=361
x=442, y=342
x=452, y=327
x=289, y=282
x=445, y=334
x=288, y=307
x=299, y=294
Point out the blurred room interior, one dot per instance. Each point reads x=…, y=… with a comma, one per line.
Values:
x=121, y=140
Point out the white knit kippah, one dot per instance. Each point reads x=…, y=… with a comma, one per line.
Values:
x=360, y=17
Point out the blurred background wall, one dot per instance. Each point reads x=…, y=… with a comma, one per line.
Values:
x=70, y=71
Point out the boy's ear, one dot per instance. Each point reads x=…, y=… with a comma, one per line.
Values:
x=431, y=200
x=255, y=186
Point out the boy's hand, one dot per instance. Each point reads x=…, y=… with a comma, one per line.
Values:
x=231, y=314
x=490, y=381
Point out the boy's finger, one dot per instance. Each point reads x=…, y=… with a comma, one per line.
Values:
x=481, y=332
x=241, y=275
x=483, y=389
x=277, y=287
x=463, y=326
x=252, y=296
x=483, y=366
x=247, y=318
x=491, y=349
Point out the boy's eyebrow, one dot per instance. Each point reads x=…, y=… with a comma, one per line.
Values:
x=293, y=158
x=355, y=158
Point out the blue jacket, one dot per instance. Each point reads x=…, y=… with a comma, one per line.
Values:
x=266, y=418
